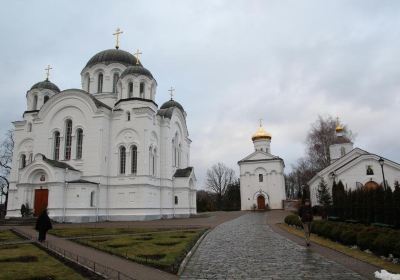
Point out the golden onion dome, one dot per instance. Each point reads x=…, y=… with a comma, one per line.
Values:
x=261, y=133
x=339, y=127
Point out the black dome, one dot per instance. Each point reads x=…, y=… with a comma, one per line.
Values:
x=172, y=103
x=113, y=55
x=137, y=69
x=46, y=84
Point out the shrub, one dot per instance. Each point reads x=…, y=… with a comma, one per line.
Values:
x=335, y=233
x=326, y=230
x=365, y=238
x=384, y=243
x=317, y=226
x=348, y=237
x=293, y=220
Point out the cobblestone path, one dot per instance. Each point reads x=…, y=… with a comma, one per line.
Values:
x=247, y=248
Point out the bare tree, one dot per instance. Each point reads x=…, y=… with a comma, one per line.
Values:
x=219, y=177
x=6, y=154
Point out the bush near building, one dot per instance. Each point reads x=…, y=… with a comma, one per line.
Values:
x=381, y=241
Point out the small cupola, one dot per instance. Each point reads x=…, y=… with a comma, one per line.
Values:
x=262, y=139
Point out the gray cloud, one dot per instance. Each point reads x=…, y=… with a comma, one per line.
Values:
x=231, y=63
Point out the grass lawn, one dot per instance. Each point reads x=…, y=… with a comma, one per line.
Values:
x=8, y=236
x=354, y=253
x=163, y=249
x=26, y=261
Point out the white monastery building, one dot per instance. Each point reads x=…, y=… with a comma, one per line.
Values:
x=262, y=183
x=355, y=167
x=103, y=152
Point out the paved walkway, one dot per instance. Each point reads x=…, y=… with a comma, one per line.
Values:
x=247, y=248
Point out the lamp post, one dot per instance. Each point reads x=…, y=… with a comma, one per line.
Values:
x=381, y=162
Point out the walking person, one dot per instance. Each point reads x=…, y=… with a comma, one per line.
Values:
x=43, y=224
x=306, y=215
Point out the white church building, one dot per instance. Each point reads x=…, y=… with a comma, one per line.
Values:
x=103, y=152
x=262, y=182
x=356, y=168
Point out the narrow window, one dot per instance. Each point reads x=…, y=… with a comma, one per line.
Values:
x=30, y=158
x=342, y=151
x=68, y=139
x=176, y=200
x=134, y=159
x=154, y=162
x=35, y=100
x=92, y=199
x=88, y=82
x=130, y=90
x=46, y=98
x=79, y=142
x=128, y=116
x=115, y=80
x=122, y=159
x=100, y=83
x=260, y=178
x=179, y=155
x=173, y=152
x=29, y=127
x=23, y=161
x=142, y=90
x=150, y=161
x=56, y=149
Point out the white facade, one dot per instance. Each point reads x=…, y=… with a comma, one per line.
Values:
x=261, y=176
x=355, y=168
x=104, y=152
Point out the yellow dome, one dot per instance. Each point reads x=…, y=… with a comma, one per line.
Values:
x=261, y=134
x=339, y=127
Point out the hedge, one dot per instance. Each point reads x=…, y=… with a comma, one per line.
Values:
x=381, y=241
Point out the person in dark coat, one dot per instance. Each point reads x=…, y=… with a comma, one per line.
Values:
x=43, y=224
x=306, y=215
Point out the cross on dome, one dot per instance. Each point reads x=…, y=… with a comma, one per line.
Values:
x=116, y=34
x=47, y=69
x=261, y=124
x=171, y=92
x=137, y=54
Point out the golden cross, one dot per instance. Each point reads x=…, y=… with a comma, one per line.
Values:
x=48, y=71
x=171, y=90
x=137, y=54
x=116, y=34
x=261, y=120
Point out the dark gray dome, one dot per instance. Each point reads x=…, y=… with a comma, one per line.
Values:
x=46, y=84
x=137, y=69
x=113, y=55
x=172, y=103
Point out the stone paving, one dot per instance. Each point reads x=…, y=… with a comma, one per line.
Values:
x=247, y=248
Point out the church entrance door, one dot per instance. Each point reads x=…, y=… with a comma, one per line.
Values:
x=41, y=200
x=260, y=202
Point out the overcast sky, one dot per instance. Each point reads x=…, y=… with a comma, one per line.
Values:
x=231, y=62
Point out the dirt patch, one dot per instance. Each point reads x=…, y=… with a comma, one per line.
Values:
x=155, y=257
x=144, y=238
x=179, y=236
x=47, y=277
x=167, y=243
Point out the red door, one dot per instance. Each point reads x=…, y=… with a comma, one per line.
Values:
x=260, y=202
x=41, y=200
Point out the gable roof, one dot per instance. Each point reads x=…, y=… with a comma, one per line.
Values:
x=185, y=172
x=58, y=164
x=258, y=156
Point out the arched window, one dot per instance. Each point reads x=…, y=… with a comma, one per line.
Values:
x=29, y=127
x=176, y=200
x=141, y=90
x=179, y=155
x=133, y=159
x=56, y=145
x=128, y=116
x=115, y=80
x=153, y=162
x=79, y=142
x=173, y=152
x=46, y=98
x=342, y=151
x=30, y=158
x=23, y=161
x=92, y=199
x=260, y=178
x=122, y=159
x=68, y=139
x=34, y=104
x=130, y=90
x=100, y=83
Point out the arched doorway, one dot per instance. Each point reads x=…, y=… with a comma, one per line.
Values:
x=260, y=202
